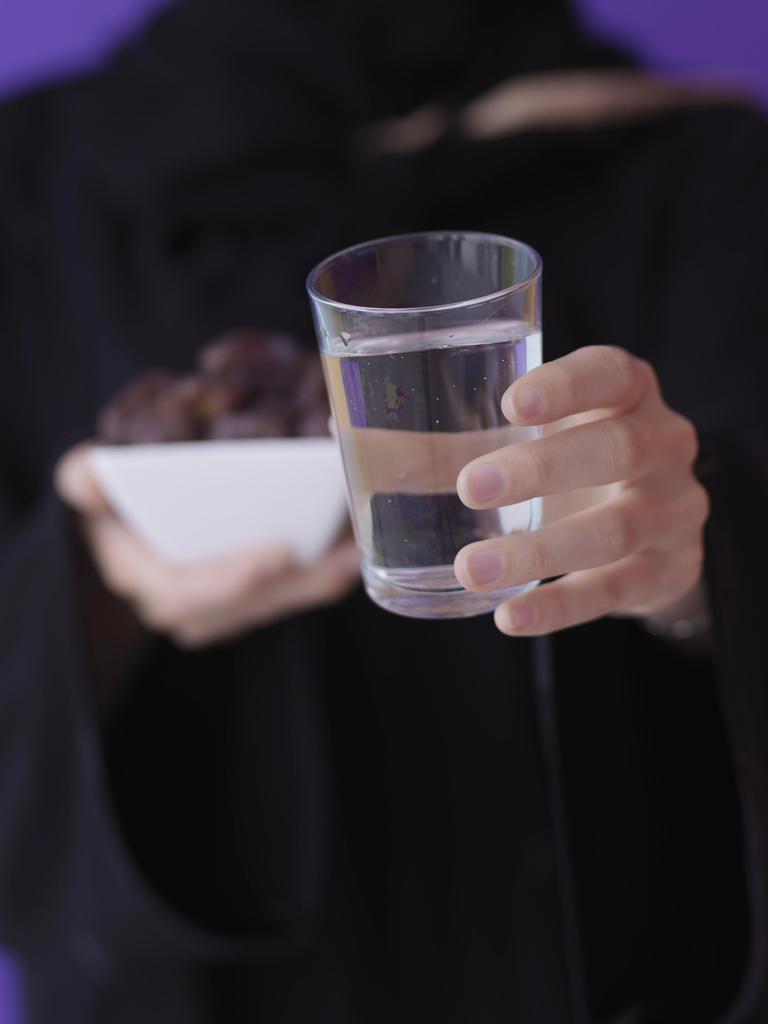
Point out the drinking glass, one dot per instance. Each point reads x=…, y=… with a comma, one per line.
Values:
x=420, y=336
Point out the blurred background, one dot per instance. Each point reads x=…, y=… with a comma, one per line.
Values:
x=41, y=40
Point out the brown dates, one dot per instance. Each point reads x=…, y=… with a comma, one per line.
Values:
x=249, y=383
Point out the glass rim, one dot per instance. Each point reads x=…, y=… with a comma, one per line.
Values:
x=506, y=241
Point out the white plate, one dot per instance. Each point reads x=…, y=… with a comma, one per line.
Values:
x=198, y=500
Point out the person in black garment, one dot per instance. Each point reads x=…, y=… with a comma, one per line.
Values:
x=330, y=814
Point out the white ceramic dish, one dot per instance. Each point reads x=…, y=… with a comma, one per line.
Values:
x=199, y=500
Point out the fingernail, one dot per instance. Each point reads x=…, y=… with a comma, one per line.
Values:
x=484, y=483
x=527, y=400
x=484, y=566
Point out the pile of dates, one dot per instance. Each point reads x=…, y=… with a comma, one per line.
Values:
x=248, y=383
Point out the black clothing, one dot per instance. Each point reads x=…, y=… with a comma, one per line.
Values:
x=349, y=817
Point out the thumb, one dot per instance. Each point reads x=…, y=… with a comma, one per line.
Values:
x=75, y=483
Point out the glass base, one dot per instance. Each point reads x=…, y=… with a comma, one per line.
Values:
x=431, y=593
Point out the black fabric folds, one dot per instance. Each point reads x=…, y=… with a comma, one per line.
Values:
x=348, y=817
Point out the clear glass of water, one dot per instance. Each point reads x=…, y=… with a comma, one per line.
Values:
x=420, y=336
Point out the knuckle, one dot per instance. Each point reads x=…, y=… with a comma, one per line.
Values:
x=613, y=592
x=664, y=574
x=621, y=533
x=252, y=583
x=686, y=436
x=624, y=367
x=539, y=469
x=647, y=374
x=564, y=385
x=531, y=561
x=629, y=449
x=266, y=572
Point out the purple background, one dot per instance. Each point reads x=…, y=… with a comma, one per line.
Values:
x=724, y=40
x=41, y=39
x=44, y=38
